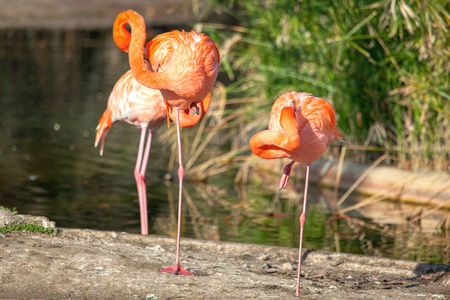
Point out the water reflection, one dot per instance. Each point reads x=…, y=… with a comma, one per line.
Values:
x=53, y=89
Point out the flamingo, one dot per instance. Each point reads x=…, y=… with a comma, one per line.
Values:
x=183, y=66
x=300, y=128
x=136, y=104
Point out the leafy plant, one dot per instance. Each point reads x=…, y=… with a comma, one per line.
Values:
x=384, y=65
x=13, y=210
x=30, y=227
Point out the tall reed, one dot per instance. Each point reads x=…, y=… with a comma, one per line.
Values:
x=383, y=64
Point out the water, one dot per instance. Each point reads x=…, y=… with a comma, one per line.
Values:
x=53, y=89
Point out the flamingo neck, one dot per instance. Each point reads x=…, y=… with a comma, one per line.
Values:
x=134, y=44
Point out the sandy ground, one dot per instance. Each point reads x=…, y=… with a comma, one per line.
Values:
x=88, y=264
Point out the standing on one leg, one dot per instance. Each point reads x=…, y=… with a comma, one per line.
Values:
x=182, y=65
x=300, y=128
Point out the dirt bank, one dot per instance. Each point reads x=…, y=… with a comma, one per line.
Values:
x=87, y=264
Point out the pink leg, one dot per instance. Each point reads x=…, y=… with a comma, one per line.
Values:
x=139, y=175
x=176, y=268
x=285, y=176
x=302, y=223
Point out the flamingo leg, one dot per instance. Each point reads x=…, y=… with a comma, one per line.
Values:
x=139, y=175
x=285, y=176
x=176, y=268
x=302, y=223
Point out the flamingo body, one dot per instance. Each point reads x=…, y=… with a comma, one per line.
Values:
x=145, y=108
x=300, y=128
x=183, y=65
x=138, y=105
x=190, y=60
x=133, y=103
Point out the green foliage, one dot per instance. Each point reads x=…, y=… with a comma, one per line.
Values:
x=30, y=227
x=384, y=65
x=13, y=210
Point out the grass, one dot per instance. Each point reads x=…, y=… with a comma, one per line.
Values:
x=29, y=227
x=13, y=210
x=384, y=65
x=32, y=227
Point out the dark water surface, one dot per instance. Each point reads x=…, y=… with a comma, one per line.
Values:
x=54, y=87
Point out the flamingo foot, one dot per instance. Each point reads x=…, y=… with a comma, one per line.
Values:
x=176, y=270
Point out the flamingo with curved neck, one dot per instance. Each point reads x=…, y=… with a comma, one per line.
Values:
x=301, y=127
x=183, y=66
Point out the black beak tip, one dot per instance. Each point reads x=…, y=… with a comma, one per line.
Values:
x=194, y=110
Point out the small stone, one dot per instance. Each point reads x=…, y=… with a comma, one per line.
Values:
x=287, y=266
x=156, y=248
x=266, y=266
x=263, y=257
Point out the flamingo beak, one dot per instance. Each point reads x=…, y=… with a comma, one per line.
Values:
x=292, y=104
x=194, y=110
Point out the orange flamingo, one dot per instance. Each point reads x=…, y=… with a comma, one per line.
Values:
x=182, y=65
x=300, y=128
x=136, y=104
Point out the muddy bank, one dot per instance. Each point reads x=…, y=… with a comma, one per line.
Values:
x=88, y=264
x=431, y=188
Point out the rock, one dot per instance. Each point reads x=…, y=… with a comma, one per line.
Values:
x=287, y=266
x=7, y=218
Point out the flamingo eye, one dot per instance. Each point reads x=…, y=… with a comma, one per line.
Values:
x=292, y=104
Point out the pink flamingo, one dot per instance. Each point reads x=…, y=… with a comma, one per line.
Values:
x=145, y=108
x=300, y=128
x=183, y=66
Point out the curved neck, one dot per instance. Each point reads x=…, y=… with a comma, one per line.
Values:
x=121, y=36
x=134, y=44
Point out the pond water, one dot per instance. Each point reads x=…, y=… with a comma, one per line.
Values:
x=54, y=86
